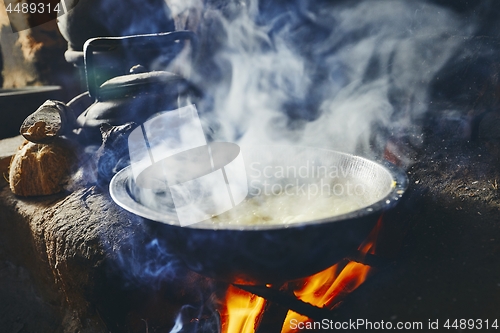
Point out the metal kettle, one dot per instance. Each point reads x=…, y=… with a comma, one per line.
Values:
x=122, y=87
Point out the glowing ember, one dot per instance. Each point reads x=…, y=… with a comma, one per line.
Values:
x=242, y=311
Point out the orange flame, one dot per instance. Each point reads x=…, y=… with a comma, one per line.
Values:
x=328, y=287
x=324, y=289
x=242, y=311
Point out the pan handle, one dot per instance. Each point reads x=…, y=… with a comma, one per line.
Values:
x=148, y=41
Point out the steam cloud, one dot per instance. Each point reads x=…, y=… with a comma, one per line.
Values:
x=331, y=76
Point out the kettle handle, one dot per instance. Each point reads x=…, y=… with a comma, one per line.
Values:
x=103, y=44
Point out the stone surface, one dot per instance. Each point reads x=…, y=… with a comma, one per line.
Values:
x=99, y=267
x=76, y=262
x=49, y=247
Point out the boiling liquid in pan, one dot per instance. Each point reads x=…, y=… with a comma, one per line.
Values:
x=287, y=209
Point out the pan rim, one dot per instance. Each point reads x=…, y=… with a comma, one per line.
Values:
x=118, y=189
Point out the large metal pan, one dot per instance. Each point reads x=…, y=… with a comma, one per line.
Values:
x=261, y=254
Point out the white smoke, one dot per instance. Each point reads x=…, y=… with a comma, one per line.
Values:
x=347, y=74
